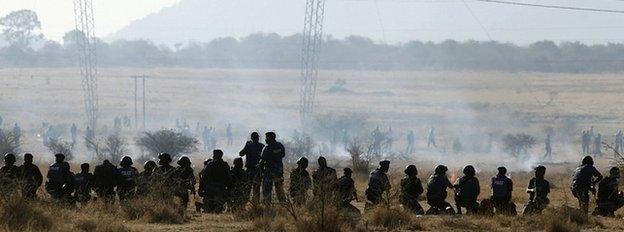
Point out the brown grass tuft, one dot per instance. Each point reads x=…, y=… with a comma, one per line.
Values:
x=390, y=218
x=19, y=214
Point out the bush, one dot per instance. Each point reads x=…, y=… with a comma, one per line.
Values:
x=57, y=146
x=99, y=225
x=168, y=141
x=518, y=144
x=18, y=214
x=390, y=218
x=9, y=142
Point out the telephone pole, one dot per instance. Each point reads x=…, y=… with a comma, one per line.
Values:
x=136, y=100
x=86, y=43
x=310, y=51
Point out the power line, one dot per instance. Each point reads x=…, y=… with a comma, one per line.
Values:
x=553, y=6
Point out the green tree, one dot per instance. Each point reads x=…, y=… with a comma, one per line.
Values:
x=21, y=27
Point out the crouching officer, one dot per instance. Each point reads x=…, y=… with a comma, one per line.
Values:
x=345, y=192
x=213, y=183
x=105, y=179
x=378, y=183
x=610, y=199
x=502, y=188
x=145, y=178
x=31, y=177
x=127, y=179
x=59, y=177
x=436, y=192
x=185, y=180
x=467, y=191
x=300, y=182
x=83, y=184
x=411, y=189
x=538, y=191
x=9, y=174
x=239, y=187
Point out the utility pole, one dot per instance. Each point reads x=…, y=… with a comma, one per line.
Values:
x=143, y=102
x=310, y=51
x=86, y=43
x=136, y=101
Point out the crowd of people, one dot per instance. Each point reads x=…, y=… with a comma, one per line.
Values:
x=222, y=187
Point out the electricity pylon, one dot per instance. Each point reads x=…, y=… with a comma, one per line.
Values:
x=311, y=48
x=86, y=43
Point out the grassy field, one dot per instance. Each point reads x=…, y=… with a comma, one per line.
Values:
x=465, y=105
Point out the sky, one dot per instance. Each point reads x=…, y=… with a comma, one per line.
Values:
x=57, y=16
x=391, y=21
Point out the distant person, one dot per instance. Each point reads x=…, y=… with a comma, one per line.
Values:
x=300, y=182
x=59, y=177
x=585, y=178
x=213, y=184
x=389, y=139
x=431, y=138
x=105, y=179
x=548, y=148
x=273, y=173
x=467, y=191
x=126, y=179
x=436, y=192
x=411, y=141
x=184, y=179
x=229, y=135
x=346, y=192
x=31, y=177
x=74, y=133
x=411, y=189
x=83, y=184
x=585, y=141
x=323, y=178
x=378, y=183
x=619, y=142
x=240, y=186
x=252, y=151
x=609, y=198
x=598, y=145
x=502, y=189
x=538, y=191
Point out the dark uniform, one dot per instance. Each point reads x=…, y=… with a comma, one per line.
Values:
x=105, y=179
x=273, y=173
x=502, y=188
x=184, y=177
x=145, y=178
x=240, y=185
x=411, y=189
x=585, y=177
x=324, y=178
x=610, y=199
x=300, y=182
x=126, y=179
x=436, y=191
x=83, y=183
x=467, y=191
x=538, y=190
x=346, y=192
x=252, y=151
x=31, y=177
x=59, y=178
x=213, y=183
x=378, y=183
x=9, y=174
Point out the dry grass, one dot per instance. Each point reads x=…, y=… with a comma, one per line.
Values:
x=20, y=214
x=391, y=218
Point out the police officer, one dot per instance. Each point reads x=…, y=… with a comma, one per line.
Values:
x=58, y=176
x=378, y=183
x=324, y=178
x=411, y=188
x=300, y=182
x=610, y=199
x=273, y=173
x=240, y=186
x=31, y=177
x=184, y=177
x=436, y=192
x=164, y=171
x=126, y=179
x=467, y=191
x=105, y=179
x=213, y=183
x=538, y=190
x=145, y=178
x=502, y=188
x=346, y=192
x=252, y=151
x=9, y=174
x=83, y=183
x=585, y=178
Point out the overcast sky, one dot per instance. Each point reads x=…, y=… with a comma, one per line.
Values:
x=383, y=20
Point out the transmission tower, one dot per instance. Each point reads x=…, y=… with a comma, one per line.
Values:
x=311, y=48
x=85, y=41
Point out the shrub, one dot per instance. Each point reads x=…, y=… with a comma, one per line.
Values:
x=9, y=142
x=168, y=141
x=57, y=146
x=390, y=218
x=518, y=144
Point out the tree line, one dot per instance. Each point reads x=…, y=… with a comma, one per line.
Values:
x=29, y=49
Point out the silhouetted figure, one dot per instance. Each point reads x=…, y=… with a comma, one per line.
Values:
x=30, y=176
x=300, y=182
x=431, y=138
x=126, y=179
x=436, y=192
x=598, y=145
x=346, y=192
x=411, y=189
x=240, y=186
x=323, y=180
x=548, y=148
x=59, y=177
x=273, y=173
x=585, y=141
x=502, y=188
x=184, y=178
x=378, y=183
x=83, y=184
x=538, y=191
x=585, y=178
x=619, y=142
x=411, y=141
x=164, y=172
x=467, y=191
x=105, y=180
x=252, y=151
x=610, y=199
x=9, y=175
x=146, y=178
x=213, y=183
x=74, y=133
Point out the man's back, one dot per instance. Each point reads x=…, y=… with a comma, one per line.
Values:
x=252, y=152
x=583, y=177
